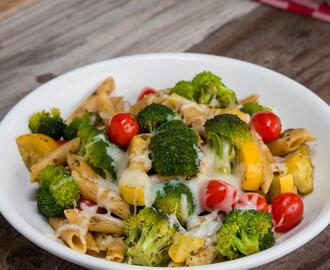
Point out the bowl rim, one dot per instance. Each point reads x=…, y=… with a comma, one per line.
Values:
x=58, y=249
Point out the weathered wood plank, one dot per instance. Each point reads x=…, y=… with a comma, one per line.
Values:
x=294, y=45
x=8, y=7
x=56, y=36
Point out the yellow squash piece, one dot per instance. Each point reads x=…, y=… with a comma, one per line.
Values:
x=300, y=166
x=135, y=186
x=35, y=146
x=250, y=155
x=182, y=247
x=281, y=184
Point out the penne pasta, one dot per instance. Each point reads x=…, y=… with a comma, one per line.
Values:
x=57, y=157
x=91, y=243
x=69, y=233
x=289, y=141
x=138, y=152
x=116, y=250
x=248, y=99
x=94, y=222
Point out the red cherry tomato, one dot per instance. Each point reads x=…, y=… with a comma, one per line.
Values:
x=122, y=128
x=267, y=125
x=252, y=201
x=89, y=203
x=218, y=195
x=146, y=91
x=61, y=142
x=287, y=210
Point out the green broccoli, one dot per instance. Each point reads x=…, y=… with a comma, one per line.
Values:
x=97, y=150
x=211, y=90
x=152, y=116
x=177, y=128
x=184, y=89
x=149, y=236
x=227, y=132
x=254, y=107
x=174, y=197
x=71, y=130
x=47, y=122
x=47, y=204
x=57, y=191
x=244, y=232
x=174, y=152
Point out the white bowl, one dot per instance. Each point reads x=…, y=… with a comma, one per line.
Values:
x=296, y=106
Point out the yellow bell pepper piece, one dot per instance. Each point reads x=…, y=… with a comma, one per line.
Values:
x=35, y=146
x=134, y=187
x=182, y=247
x=281, y=184
x=251, y=157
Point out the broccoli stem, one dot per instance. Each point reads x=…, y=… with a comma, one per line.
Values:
x=247, y=245
x=225, y=153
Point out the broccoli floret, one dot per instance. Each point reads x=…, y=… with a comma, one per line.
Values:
x=211, y=90
x=97, y=149
x=184, y=89
x=174, y=197
x=174, y=153
x=52, y=174
x=175, y=129
x=47, y=122
x=47, y=204
x=65, y=192
x=152, y=116
x=57, y=191
x=149, y=236
x=244, y=232
x=227, y=132
x=253, y=107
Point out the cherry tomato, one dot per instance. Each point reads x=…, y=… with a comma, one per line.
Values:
x=61, y=142
x=252, y=201
x=287, y=210
x=122, y=128
x=146, y=91
x=218, y=195
x=89, y=203
x=267, y=125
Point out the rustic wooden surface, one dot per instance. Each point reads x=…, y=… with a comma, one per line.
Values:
x=42, y=39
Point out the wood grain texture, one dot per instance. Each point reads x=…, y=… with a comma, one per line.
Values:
x=8, y=7
x=49, y=38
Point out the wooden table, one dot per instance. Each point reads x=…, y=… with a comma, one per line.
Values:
x=43, y=39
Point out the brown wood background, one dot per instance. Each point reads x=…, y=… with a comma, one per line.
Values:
x=41, y=39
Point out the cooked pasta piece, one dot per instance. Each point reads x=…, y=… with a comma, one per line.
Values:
x=90, y=104
x=103, y=196
x=243, y=116
x=289, y=141
x=69, y=233
x=248, y=99
x=91, y=243
x=116, y=250
x=90, y=187
x=205, y=255
x=158, y=97
x=138, y=152
x=57, y=157
x=103, y=240
x=109, y=107
x=95, y=222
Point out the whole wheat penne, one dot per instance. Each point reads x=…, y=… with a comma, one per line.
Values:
x=248, y=99
x=107, y=86
x=57, y=157
x=103, y=196
x=88, y=105
x=105, y=107
x=289, y=141
x=94, y=222
x=69, y=233
x=78, y=164
x=116, y=250
x=138, y=152
x=91, y=243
